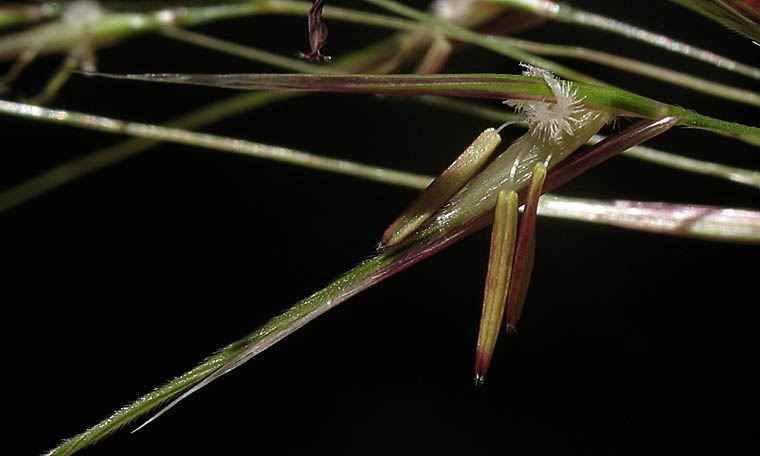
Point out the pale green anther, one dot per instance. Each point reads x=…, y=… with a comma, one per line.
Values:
x=503, y=236
x=524, y=251
x=479, y=195
x=443, y=188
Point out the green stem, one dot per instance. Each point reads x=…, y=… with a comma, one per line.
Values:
x=498, y=86
x=221, y=143
x=13, y=16
x=692, y=119
x=485, y=41
x=639, y=67
x=568, y=14
x=113, y=27
x=62, y=174
x=246, y=52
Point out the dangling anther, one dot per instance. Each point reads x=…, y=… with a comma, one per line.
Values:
x=317, y=34
x=442, y=188
x=525, y=249
x=497, y=280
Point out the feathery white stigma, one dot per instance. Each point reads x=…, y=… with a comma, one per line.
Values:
x=82, y=13
x=549, y=121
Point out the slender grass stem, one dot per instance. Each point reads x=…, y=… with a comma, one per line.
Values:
x=690, y=220
x=148, y=135
x=636, y=66
x=67, y=172
x=113, y=27
x=215, y=142
x=13, y=16
x=246, y=52
x=485, y=41
x=570, y=15
x=497, y=86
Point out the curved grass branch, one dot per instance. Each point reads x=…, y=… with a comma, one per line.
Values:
x=117, y=26
x=69, y=171
x=570, y=15
x=690, y=220
x=485, y=41
x=615, y=101
x=16, y=15
x=247, y=52
x=636, y=66
x=112, y=27
x=149, y=135
x=215, y=142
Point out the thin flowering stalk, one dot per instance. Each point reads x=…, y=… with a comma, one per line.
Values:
x=690, y=220
x=516, y=87
x=147, y=135
x=16, y=15
x=60, y=175
x=456, y=32
x=568, y=14
x=639, y=67
x=731, y=173
x=114, y=26
x=654, y=71
x=146, y=131
x=497, y=86
x=247, y=52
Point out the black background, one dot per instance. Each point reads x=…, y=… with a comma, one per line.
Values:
x=116, y=283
